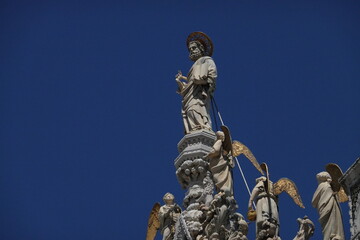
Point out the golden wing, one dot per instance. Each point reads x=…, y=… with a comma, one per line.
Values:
x=239, y=148
x=153, y=222
x=342, y=196
x=336, y=173
x=285, y=184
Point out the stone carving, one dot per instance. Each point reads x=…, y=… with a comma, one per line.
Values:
x=168, y=216
x=206, y=216
x=221, y=164
x=325, y=200
x=306, y=229
x=351, y=183
x=220, y=221
x=163, y=218
x=197, y=88
x=265, y=194
x=267, y=216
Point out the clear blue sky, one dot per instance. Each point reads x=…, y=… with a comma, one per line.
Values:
x=90, y=118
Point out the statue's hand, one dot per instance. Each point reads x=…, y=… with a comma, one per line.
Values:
x=178, y=76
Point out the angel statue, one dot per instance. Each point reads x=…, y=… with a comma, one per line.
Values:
x=265, y=194
x=163, y=218
x=326, y=200
x=221, y=160
x=197, y=88
x=306, y=229
x=220, y=164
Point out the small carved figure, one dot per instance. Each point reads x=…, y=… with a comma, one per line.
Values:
x=326, y=200
x=163, y=218
x=265, y=194
x=306, y=229
x=199, y=85
x=220, y=165
x=222, y=222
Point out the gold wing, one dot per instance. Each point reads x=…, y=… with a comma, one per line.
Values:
x=342, y=196
x=336, y=173
x=153, y=222
x=285, y=184
x=239, y=148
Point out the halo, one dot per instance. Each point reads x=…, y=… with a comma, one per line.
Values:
x=204, y=40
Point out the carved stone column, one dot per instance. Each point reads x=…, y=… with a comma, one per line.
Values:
x=193, y=175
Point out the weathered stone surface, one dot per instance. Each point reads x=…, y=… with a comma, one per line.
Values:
x=194, y=146
x=306, y=229
x=206, y=216
x=351, y=184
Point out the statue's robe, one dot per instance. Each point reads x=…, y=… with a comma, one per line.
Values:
x=168, y=217
x=197, y=95
x=329, y=210
x=220, y=169
x=266, y=209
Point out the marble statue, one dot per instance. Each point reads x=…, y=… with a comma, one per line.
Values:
x=163, y=218
x=265, y=195
x=306, y=229
x=168, y=216
x=197, y=88
x=220, y=165
x=325, y=200
x=222, y=221
x=267, y=216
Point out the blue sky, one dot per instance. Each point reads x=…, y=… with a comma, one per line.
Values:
x=90, y=117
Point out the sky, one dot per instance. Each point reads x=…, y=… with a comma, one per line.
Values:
x=90, y=118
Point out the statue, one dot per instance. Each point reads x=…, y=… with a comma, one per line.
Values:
x=221, y=221
x=221, y=159
x=197, y=88
x=163, y=218
x=326, y=200
x=220, y=165
x=265, y=194
x=306, y=229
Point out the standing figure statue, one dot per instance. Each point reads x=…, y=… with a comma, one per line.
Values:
x=168, y=216
x=265, y=194
x=197, y=88
x=306, y=229
x=267, y=215
x=163, y=218
x=220, y=165
x=326, y=200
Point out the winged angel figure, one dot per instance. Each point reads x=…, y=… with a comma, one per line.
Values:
x=163, y=218
x=221, y=160
x=326, y=200
x=265, y=194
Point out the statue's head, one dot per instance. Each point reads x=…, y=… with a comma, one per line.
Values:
x=168, y=198
x=199, y=44
x=220, y=135
x=323, y=177
x=196, y=50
